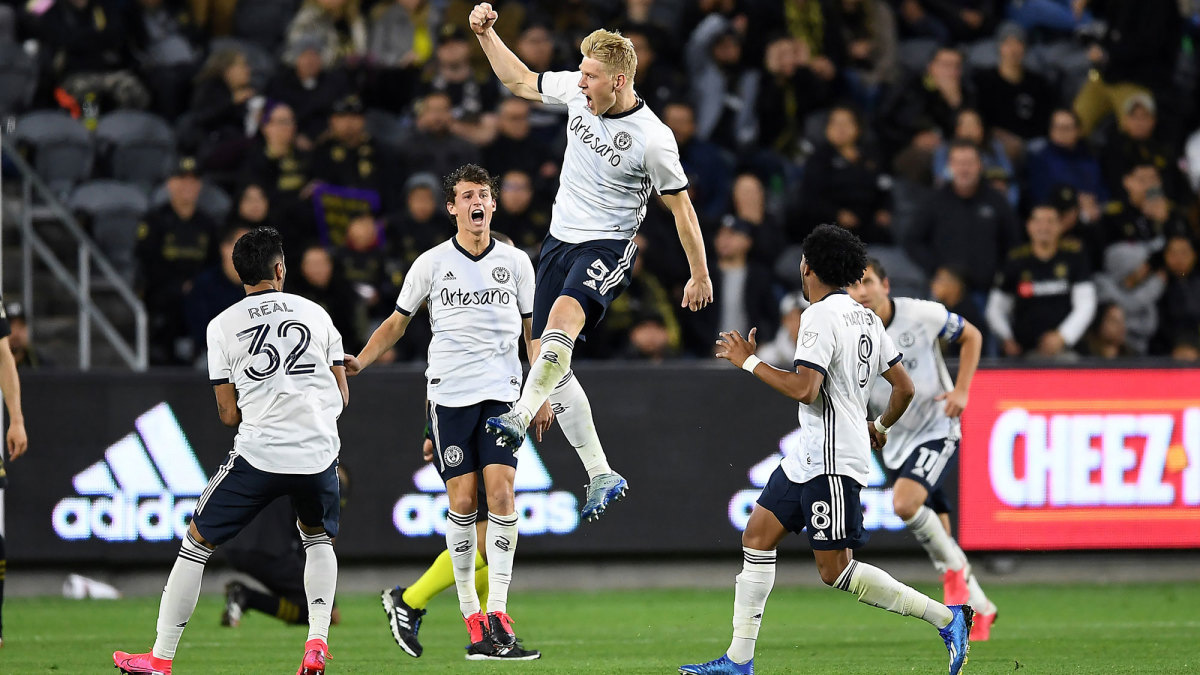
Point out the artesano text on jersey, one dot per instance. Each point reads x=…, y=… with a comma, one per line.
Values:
x=917, y=327
x=476, y=304
x=277, y=350
x=610, y=166
x=846, y=343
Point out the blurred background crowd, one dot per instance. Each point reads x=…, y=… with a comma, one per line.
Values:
x=1032, y=164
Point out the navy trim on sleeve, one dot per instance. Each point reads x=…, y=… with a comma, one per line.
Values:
x=526, y=315
x=896, y=360
x=339, y=362
x=539, y=85
x=403, y=311
x=813, y=366
x=223, y=380
x=674, y=191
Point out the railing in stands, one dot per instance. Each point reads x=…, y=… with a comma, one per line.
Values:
x=80, y=286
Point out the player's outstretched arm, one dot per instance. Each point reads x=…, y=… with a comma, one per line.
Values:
x=968, y=361
x=515, y=75
x=339, y=374
x=802, y=385
x=698, y=293
x=10, y=385
x=383, y=339
x=227, y=407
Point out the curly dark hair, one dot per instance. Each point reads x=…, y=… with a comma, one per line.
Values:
x=836, y=255
x=255, y=255
x=467, y=173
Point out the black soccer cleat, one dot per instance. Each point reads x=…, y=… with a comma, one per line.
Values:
x=500, y=627
x=404, y=621
x=235, y=604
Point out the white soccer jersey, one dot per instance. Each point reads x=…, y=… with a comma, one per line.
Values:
x=277, y=350
x=846, y=343
x=916, y=327
x=610, y=165
x=476, y=304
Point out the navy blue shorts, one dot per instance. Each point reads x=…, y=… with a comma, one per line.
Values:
x=238, y=492
x=461, y=443
x=594, y=273
x=929, y=464
x=826, y=506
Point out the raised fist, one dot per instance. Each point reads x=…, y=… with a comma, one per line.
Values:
x=483, y=18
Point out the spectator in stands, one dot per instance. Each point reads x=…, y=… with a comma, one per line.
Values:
x=1044, y=298
x=535, y=48
x=283, y=170
x=1015, y=103
x=420, y=224
x=364, y=263
x=723, y=88
x=1134, y=144
x=350, y=167
x=213, y=291
x=1106, y=337
x=85, y=46
x=1179, y=308
x=1090, y=233
x=947, y=22
x=309, y=90
x=657, y=80
x=513, y=148
x=923, y=111
x=997, y=169
x=432, y=146
x=1136, y=55
x=1128, y=281
x=319, y=281
x=948, y=286
x=25, y=354
x=337, y=24
x=1145, y=214
x=1064, y=158
x=781, y=351
x=965, y=224
x=650, y=339
x=473, y=97
x=175, y=243
x=1063, y=17
x=750, y=207
x=521, y=215
x=400, y=42
x=709, y=169
x=167, y=45
x=746, y=297
x=219, y=111
x=844, y=184
x=790, y=90
x=869, y=31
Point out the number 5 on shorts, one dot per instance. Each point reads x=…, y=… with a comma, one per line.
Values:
x=597, y=270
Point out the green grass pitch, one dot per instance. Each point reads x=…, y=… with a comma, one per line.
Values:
x=1043, y=629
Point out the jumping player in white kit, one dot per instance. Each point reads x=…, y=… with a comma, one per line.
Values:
x=617, y=152
x=923, y=445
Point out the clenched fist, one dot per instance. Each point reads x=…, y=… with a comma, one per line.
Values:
x=483, y=18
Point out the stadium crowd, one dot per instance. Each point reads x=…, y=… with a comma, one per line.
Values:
x=1029, y=163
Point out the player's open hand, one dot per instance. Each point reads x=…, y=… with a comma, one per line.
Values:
x=735, y=349
x=353, y=367
x=483, y=18
x=18, y=443
x=542, y=420
x=878, y=440
x=956, y=402
x=697, y=294
x=427, y=451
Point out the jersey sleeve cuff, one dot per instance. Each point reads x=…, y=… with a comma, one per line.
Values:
x=539, y=84
x=896, y=359
x=338, y=362
x=403, y=311
x=526, y=315
x=223, y=380
x=811, y=365
x=674, y=191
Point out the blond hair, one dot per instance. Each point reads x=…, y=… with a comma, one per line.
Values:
x=612, y=49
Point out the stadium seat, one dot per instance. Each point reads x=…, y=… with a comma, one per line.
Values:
x=385, y=127
x=906, y=278
x=262, y=63
x=214, y=202
x=136, y=147
x=18, y=78
x=114, y=210
x=59, y=147
x=264, y=22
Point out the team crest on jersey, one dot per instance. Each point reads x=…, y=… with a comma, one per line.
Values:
x=453, y=455
x=501, y=274
x=623, y=140
x=808, y=339
x=907, y=339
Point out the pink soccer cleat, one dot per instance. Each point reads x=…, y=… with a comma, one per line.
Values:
x=141, y=664
x=981, y=630
x=315, y=653
x=954, y=587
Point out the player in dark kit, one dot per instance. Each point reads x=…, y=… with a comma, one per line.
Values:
x=15, y=440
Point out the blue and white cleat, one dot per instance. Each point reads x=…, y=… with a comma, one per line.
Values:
x=509, y=429
x=721, y=666
x=605, y=488
x=957, y=636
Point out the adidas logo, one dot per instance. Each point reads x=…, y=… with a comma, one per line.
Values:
x=145, y=488
x=449, y=276
x=318, y=601
x=820, y=536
